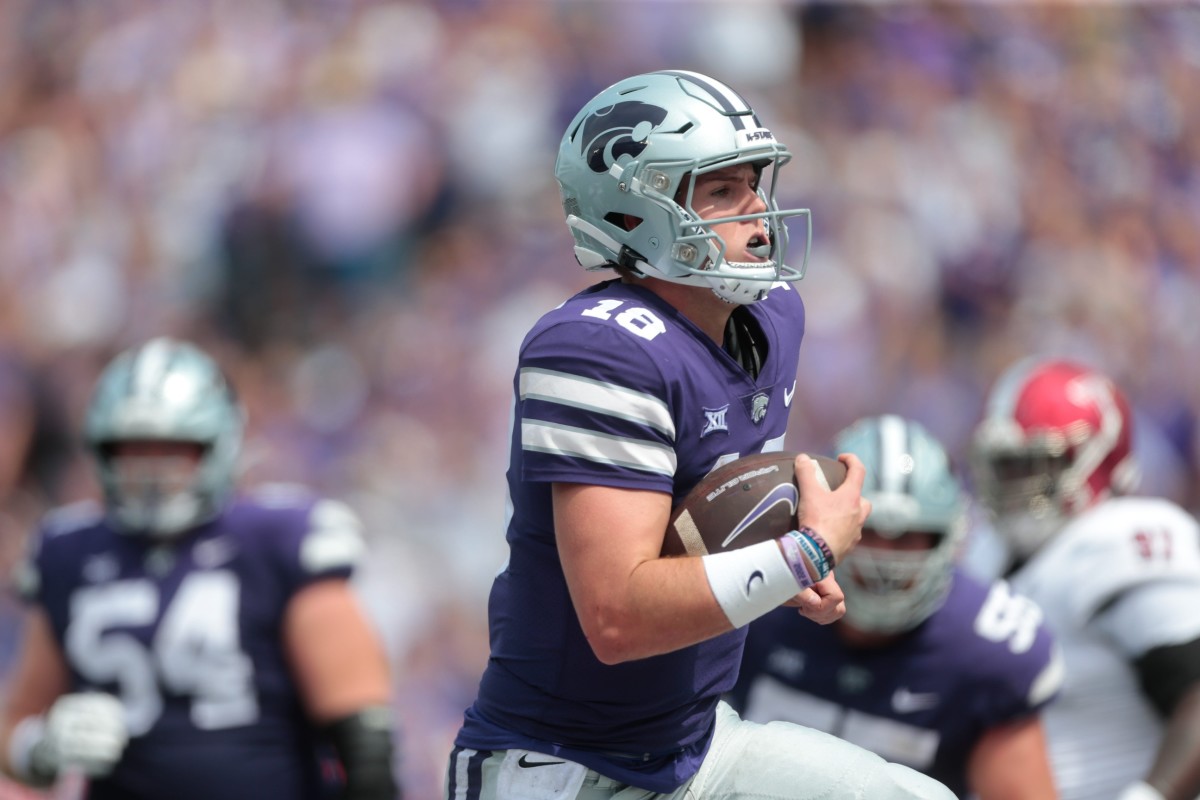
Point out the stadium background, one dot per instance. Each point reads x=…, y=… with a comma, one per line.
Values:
x=351, y=204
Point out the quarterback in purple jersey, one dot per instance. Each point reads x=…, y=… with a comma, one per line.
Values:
x=929, y=667
x=187, y=643
x=608, y=662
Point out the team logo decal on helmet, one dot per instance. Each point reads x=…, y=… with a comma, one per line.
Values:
x=618, y=130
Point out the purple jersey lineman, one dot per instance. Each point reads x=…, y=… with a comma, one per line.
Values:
x=188, y=636
x=617, y=388
x=983, y=659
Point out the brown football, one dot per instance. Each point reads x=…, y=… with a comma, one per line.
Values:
x=744, y=502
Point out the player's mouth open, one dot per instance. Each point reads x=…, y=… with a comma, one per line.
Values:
x=759, y=247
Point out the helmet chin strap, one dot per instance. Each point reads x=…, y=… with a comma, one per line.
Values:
x=591, y=259
x=742, y=290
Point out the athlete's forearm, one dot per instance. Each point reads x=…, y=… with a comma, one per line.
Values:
x=1176, y=770
x=664, y=605
x=672, y=603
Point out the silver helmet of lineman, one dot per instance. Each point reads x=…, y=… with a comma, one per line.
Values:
x=164, y=391
x=912, y=488
x=624, y=160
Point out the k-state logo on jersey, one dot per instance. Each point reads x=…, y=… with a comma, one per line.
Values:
x=853, y=679
x=758, y=407
x=714, y=420
x=100, y=568
x=618, y=130
x=786, y=662
x=906, y=701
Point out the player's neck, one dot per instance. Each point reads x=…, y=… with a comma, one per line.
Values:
x=704, y=309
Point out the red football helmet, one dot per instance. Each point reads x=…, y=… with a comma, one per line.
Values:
x=1055, y=440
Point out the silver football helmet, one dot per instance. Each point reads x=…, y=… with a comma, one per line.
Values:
x=912, y=490
x=164, y=391
x=627, y=153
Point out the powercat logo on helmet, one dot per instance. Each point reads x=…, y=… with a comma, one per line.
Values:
x=618, y=130
x=758, y=135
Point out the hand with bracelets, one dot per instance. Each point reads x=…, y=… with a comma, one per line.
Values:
x=830, y=524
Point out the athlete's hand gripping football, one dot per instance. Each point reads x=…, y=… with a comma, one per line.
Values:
x=838, y=516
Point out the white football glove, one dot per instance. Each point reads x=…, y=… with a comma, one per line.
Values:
x=83, y=732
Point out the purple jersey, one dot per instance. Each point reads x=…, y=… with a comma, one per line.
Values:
x=983, y=659
x=189, y=636
x=617, y=388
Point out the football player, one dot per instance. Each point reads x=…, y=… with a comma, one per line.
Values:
x=608, y=661
x=929, y=667
x=185, y=642
x=1118, y=577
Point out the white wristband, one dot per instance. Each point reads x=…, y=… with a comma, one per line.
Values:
x=1140, y=791
x=749, y=582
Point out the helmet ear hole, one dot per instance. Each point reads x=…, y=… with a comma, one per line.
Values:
x=626, y=222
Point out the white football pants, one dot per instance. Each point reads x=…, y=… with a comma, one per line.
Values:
x=746, y=760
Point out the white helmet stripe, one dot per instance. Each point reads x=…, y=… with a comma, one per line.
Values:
x=732, y=102
x=893, y=442
x=150, y=367
x=1007, y=391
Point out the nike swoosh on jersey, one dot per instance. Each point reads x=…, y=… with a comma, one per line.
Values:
x=905, y=701
x=787, y=395
x=214, y=552
x=524, y=761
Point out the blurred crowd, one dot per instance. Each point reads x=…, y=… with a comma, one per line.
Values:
x=351, y=204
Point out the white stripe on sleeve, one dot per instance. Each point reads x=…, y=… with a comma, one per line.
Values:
x=545, y=437
x=592, y=395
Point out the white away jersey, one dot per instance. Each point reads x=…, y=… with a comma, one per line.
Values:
x=1117, y=581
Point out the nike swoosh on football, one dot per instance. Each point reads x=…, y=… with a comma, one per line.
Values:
x=524, y=761
x=783, y=493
